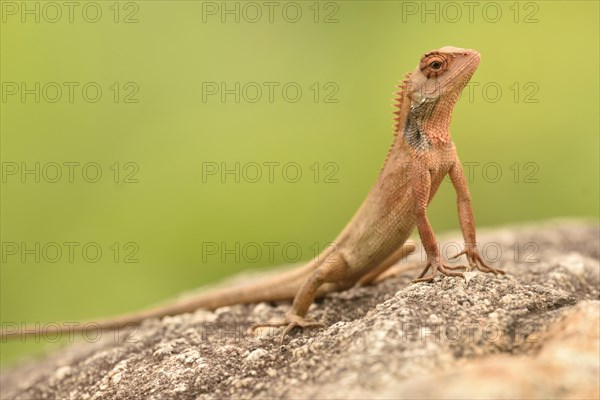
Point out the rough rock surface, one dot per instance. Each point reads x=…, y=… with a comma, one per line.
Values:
x=533, y=333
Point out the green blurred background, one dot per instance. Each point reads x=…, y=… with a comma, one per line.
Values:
x=531, y=113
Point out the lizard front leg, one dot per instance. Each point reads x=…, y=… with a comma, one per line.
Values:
x=421, y=187
x=334, y=269
x=467, y=223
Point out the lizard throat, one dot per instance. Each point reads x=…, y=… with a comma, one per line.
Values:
x=428, y=123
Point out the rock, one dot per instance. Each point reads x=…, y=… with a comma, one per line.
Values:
x=257, y=355
x=533, y=333
x=566, y=366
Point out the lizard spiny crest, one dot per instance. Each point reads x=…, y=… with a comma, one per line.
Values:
x=399, y=118
x=399, y=100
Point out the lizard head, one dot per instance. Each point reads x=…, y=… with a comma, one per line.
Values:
x=442, y=72
x=432, y=90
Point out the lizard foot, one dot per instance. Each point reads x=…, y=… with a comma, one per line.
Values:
x=290, y=322
x=438, y=266
x=476, y=262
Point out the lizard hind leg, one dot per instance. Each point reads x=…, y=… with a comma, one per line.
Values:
x=332, y=270
x=389, y=267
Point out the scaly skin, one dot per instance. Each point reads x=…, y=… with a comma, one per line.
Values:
x=375, y=238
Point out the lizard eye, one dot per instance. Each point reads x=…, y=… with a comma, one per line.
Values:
x=433, y=64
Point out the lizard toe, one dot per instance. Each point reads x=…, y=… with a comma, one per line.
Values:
x=300, y=323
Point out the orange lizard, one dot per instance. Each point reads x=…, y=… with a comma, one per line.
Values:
x=421, y=155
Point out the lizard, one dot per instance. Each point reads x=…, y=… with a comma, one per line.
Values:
x=421, y=155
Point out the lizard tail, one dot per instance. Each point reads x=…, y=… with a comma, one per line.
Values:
x=280, y=287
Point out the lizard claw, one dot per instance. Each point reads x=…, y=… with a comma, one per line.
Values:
x=476, y=261
x=290, y=322
x=438, y=266
x=304, y=324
